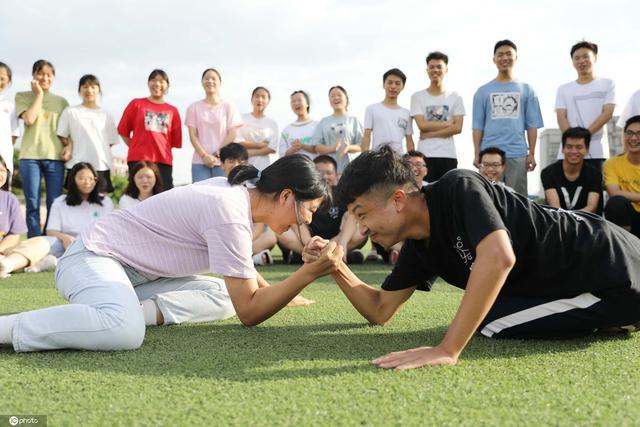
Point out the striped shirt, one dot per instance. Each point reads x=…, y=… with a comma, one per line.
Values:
x=202, y=227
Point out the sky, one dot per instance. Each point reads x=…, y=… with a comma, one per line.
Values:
x=286, y=46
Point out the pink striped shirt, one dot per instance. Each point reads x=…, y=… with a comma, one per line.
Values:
x=202, y=227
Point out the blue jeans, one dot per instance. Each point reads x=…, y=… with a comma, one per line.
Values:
x=202, y=172
x=32, y=171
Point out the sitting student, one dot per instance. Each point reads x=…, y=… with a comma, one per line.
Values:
x=493, y=163
x=418, y=162
x=232, y=155
x=264, y=239
x=71, y=214
x=144, y=182
x=622, y=181
x=528, y=271
x=571, y=183
x=12, y=222
x=330, y=222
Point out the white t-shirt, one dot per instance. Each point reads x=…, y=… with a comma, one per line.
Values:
x=389, y=126
x=584, y=103
x=631, y=109
x=8, y=129
x=93, y=132
x=127, y=202
x=439, y=108
x=297, y=130
x=73, y=220
x=260, y=130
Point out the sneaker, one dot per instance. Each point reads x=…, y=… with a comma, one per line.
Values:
x=393, y=256
x=47, y=263
x=355, y=257
x=373, y=255
x=263, y=258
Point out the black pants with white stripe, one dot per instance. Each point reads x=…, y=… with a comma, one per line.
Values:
x=527, y=317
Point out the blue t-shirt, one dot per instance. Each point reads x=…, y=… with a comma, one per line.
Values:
x=503, y=111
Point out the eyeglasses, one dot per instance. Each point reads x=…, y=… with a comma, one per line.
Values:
x=631, y=134
x=418, y=165
x=491, y=165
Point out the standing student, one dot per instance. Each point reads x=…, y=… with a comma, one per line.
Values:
x=528, y=271
x=9, y=129
x=503, y=111
x=439, y=114
x=571, y=183
x=144, y=182
x=389, y=123
x=151, y=128
x=587, y=102
x=89, y=132
x=140, y=266
x=41, y=152
x=212, y=124
x=259, y=133
x=297, y=136
x=339, y=135
x=632, y=108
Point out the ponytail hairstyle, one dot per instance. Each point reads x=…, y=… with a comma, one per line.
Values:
x=296, y=172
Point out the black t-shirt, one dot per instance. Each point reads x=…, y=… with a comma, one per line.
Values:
x=327, y=220
x=558, y=252
x=573, y=195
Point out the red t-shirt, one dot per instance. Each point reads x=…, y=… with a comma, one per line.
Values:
x=156, y=129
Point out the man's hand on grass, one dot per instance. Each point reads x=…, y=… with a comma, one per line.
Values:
x=415, y=358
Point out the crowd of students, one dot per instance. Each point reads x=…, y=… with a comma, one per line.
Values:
x=506, y=116
x=140, y=265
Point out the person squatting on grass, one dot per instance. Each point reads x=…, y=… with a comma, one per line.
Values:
x=137, y=266
x=529, y=271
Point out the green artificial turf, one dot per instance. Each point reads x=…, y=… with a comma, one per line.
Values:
x=309, y=366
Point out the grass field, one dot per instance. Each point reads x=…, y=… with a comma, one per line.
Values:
x=309, y=366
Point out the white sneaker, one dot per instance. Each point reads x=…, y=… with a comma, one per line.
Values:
x=263, y=258
x=47, y=263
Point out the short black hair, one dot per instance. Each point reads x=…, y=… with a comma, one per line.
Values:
x=374, y=170
x=234, y=151
x=306, y=96
x=494, y=150
x=631, y=120
x=577, y=133
x=505, y=42
x=158, y=73
x=7, y=182
x=261, y=88
x=438, y=55
x=415, y=153
x=40, y=64
x=395, y=72
x=89, y=79
x=324, y=158
x=586, y=45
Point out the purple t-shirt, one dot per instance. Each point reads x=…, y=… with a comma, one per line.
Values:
x=11, y=218
x=202, y=227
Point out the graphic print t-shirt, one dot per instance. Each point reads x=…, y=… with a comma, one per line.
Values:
x=573, y=195
x=156, y=130
x=558, y=253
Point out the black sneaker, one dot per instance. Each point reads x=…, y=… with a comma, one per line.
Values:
x=355, y=257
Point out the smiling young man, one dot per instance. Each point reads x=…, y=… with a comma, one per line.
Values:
x=570, y=183
x=528, y=271
x=587, y=102
x=622, y=180
x=387, y=122
x=439, y=115
x=503, y=111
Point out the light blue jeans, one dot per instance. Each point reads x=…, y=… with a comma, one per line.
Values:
x=104, y=311
x=202, y=172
